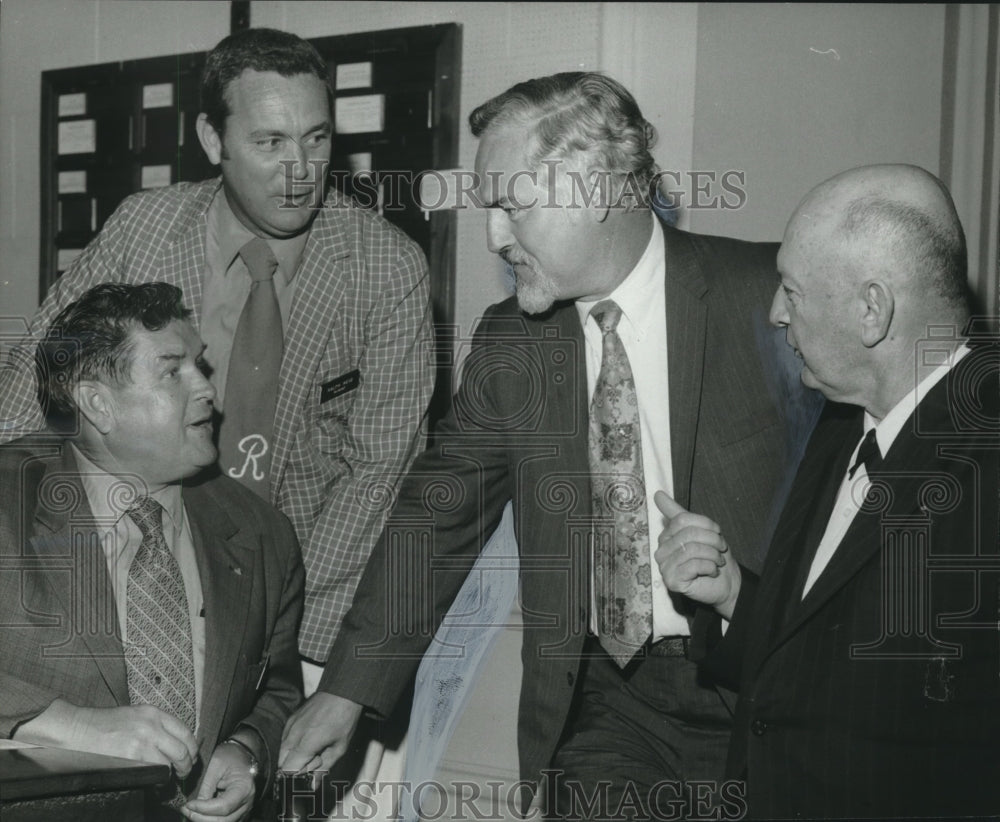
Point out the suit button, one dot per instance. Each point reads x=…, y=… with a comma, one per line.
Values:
x=758, y=727
x=569, y=678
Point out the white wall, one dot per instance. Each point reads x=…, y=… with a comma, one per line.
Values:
x=793, y=93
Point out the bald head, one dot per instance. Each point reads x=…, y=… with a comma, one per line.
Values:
x=870, y=258
x=897, y=222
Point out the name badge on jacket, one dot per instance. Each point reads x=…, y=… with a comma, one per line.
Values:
x=339, y=385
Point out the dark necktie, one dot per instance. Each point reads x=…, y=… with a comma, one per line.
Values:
x=621, y=533
x=245, y=437
x=869, y=455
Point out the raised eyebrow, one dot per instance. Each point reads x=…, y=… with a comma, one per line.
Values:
x=266, y=134
x=170, y=357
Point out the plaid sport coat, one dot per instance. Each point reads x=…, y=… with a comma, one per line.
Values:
x=362, y=303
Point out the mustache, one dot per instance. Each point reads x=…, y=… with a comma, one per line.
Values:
x=512, y=258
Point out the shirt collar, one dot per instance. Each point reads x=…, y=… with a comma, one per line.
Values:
x=231, y=235
x=888, y=428
x=109, y=495
x=637, y=295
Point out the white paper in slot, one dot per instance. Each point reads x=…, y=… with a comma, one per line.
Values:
x=354, y=75
x=159, y=95
x=155, y=176
x=73, y=105
x=358, y=115
x=72, y=182
x=77, y=137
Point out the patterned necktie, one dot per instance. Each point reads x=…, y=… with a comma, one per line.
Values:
x=159, y=658
x=621, y=533
x=245, y=437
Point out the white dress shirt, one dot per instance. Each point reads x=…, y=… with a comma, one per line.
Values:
x=121, y=538
x=643, y=332
x=852, y=492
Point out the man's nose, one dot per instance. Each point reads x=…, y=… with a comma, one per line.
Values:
x=296, y=162
x=203, y=388
x=779, y=311
x=498, y=235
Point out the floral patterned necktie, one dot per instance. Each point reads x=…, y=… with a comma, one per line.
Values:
x=622, y=578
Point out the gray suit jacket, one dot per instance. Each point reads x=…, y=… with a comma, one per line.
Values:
x=59, y=633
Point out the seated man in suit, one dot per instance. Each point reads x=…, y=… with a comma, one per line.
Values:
x=145, y=612
x=866, y=653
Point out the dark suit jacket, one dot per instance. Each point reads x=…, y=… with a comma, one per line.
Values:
x=59, y=633
x=878, y=694
x=518, y=431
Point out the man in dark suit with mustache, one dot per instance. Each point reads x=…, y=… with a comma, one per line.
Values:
x=634, y=357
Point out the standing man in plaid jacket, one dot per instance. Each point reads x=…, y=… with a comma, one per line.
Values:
x=355, y=376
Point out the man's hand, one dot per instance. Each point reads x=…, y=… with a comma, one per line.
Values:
x=133, y=731
x=226, y=792
x=317, y=734
x=694, y=558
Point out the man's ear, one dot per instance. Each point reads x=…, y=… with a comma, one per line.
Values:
x=210, y=139
x=95, y=404
x=877, y=318
x=592, y=196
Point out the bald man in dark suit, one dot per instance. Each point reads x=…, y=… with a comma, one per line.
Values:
x=866, y=652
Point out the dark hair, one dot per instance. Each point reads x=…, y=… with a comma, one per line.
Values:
x=935, y=247
x=579, y=112
x=91, y=339
x=259, y=50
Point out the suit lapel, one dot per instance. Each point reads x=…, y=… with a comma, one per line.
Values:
x=908, y=465
x=567, y=398
x=66, y=536
x=322, y=279
x=183, y=261
x=686, y=328
x=226, y=559
x=788, y=558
